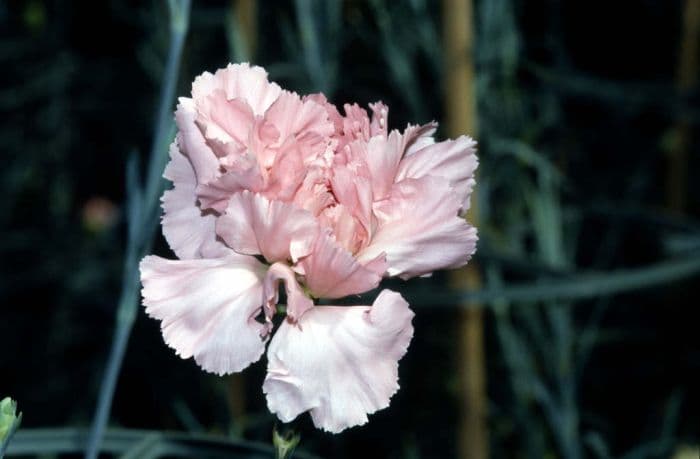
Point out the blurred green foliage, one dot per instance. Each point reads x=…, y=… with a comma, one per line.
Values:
x=590, y=278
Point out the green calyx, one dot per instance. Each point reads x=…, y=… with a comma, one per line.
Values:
x=284, y=444
x=9, y=422
x=8, y=417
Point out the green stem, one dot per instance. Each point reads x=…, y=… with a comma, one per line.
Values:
x=142, y=226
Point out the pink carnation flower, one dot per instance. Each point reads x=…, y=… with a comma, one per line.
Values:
x=274, y=189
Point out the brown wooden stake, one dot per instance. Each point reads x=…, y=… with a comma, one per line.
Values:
x=686, y=79
x=461, y=118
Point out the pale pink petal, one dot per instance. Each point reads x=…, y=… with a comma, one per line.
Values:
x=380, y=119
x=191, y=142
x=221, y=104
x=188, y=230
x=355, y=123
x=254, y=225
x=347, y=230
x=419, y=137
x=354, y=191
x=297, y=301
x=331, y=271
x=383, y=156
x=239, y=81
x=333, y=114
x=454, y=160
x=419, y=229
x=261, y=137
x=287, y=172
x=216, y=194
x=293, y=116
x=385, y=153
x=207, y=308
x=314, y=194
x=339, y=363
x=224, y=120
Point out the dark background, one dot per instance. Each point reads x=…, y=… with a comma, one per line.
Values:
x=581, y=113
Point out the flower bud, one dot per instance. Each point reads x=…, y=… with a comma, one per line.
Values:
x=285, y=444
x=9, y=421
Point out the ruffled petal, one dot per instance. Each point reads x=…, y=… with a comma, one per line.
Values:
x=339, y=363
x=332, y=272
x=356, y=123
x=454, y=160
x=380, y=119
x=297, y=301
x=293, y=116
x=254, y=225
x=188, y=230
x=383, y=156
x=419, y=137
x=354, y=191
x=192, y=143
x=419, y=229
x=287, y=173
x=313, y=194
x=347, y=230
x=207, y=308
x=224, y=120
x=216, y=194
x=333, y=114
x=239, y=81
x=385, y=152
x=221, y=106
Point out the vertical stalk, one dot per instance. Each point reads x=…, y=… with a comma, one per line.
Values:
x=241, y=30
x=310, y=44
x=461, y=117
x=143, y=221
x=247, y=20
x=686, y=79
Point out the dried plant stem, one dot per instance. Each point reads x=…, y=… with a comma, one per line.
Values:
x=687, y=77
x=241, y=30
x=461, y=117
x=143, y=221
x=246, y=14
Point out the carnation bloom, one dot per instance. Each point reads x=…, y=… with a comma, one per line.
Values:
x=271, y=190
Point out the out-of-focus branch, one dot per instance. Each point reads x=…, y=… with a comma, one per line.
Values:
x=143, y=211
x=128, y=442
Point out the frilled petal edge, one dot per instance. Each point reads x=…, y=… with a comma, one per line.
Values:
x=188, y=230
x=454, y=160
x=419, y=229
x=253, y=225
x=330, y=271
x=339, y=363
x=239, y=81
x=207, y=308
